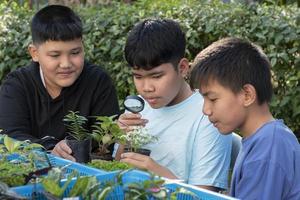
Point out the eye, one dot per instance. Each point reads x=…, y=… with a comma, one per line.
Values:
x=137, y=77
x=213, y=99
x=157, y=76
x=54, y=55
x=75, y=52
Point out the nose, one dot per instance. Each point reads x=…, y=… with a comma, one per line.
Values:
x=148, y=86
x=65, y=62
x=206, y=108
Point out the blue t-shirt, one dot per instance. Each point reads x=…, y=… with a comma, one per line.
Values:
x=188, y=144
x=268, y=165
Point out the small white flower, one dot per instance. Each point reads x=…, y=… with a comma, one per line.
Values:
x=139, y=137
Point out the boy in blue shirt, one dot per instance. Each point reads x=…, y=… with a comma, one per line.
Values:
x=188, y=146
x=234, y=77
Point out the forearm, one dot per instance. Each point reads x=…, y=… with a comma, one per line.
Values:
x=146, y=162
x=161, y=171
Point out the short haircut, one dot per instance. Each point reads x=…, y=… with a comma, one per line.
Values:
x=55, y=23
x=234, y=62
x=153, y=42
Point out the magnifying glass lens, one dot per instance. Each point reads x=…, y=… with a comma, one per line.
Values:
x=134, y=103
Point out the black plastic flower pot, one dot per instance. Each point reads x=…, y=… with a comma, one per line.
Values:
x=81, y=150
x=142, y=151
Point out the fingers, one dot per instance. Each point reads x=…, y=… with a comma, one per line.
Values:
x=127, y=120
x=61, y=149
x=137, y=160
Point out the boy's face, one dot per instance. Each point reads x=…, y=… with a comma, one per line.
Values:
x=224, y=109
x=162, y=85
x=61, y=62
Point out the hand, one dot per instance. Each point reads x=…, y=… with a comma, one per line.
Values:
x=146, y=162
x=127, y=120
x=61, y=149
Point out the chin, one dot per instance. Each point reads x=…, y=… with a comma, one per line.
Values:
x=67, y=83
x=225, y=132
x=155, y=106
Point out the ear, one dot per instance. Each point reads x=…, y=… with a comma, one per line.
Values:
x=33, y=51
x=184, y=67
x=249, y=94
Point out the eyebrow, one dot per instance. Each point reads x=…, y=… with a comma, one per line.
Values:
x=205, y=94
x=57, y=51
x=76, y=48
x=208, y=93
x=150, y=74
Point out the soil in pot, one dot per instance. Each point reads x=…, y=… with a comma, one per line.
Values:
x=96, y=155
x=81, y=150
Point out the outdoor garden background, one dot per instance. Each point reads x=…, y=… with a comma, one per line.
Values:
x=272, y=24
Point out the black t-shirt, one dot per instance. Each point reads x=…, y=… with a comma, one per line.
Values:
x=27, y=111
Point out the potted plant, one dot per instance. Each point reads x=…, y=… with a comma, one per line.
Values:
x=136, y=139
x=105, y=132
x=79, y=138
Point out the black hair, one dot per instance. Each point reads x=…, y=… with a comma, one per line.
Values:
x=153, y=42
x=234, y=62
x=55, y=23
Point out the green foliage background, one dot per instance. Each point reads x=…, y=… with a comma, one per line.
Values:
x=274, y=28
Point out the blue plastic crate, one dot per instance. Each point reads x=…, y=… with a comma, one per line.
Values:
x=83, y=170
x=200, y=193
x=128, y=177
x=55, y=161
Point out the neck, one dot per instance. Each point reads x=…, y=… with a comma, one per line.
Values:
x=52, y=90
x=256, y=117
x=183, y=94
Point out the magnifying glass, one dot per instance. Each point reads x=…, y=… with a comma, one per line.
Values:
x=134, y=103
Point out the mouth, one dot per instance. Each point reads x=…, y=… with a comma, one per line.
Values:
x=151, y=100
x=214, y=122
x=65, y=73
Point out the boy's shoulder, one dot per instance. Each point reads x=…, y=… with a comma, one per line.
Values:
x=91, y=69
x=273, y=140
x=32, y=69
x=93, y=72
x=274, y=131
x=278, y=130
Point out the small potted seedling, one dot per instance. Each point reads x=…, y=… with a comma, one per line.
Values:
x=106, y=132
x=136, y=139
x=138, y=136
x=79, y=138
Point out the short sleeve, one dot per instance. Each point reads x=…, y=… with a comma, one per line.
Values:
x=210, y=156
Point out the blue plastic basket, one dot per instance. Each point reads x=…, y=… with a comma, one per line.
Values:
x=133, y=176
x=55, y=161
x=83, y=170
x=198, y=192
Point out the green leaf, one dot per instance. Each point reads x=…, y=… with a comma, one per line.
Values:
x=80, y=186
x=52, y=187
x=11, y=144
x=104, y=193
